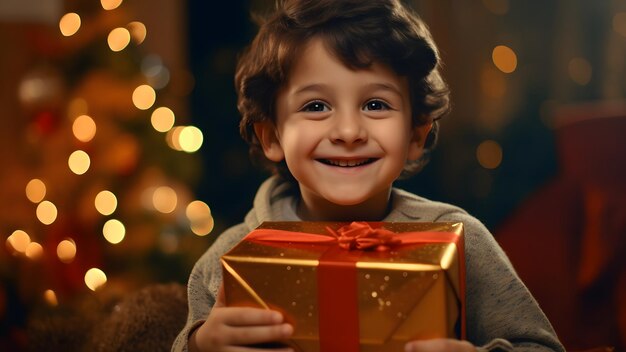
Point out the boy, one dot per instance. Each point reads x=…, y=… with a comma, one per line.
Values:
x=342, y=97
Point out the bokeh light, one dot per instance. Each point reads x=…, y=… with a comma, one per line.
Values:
x=46, y=212
x=110, y=4
x=173, y=138
x=34, y=251
x=19, y=241
x=580, y=70
x=66, y=250
x=164, y=199
x=504, y=58
x=95, y=278
x=114, y=231
x=200, y=219
x=35, y=190
x=144, y=97
x=137, y=31
x=69, y=24
x=489, y=154
x=190, y=139
x=619, y=23
x=84, y=128
x=105, y=202
x=162, y=119
x=118, y=39
x=79, y=162
x=51, y=298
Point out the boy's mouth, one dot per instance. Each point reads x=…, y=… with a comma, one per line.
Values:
x=347, y=163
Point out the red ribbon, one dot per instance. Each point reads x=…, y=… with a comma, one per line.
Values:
x=336, y=273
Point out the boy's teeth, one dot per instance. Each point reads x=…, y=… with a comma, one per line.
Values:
x=347, y=163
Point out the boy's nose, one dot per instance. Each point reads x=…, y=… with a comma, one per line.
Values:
x=348, y=128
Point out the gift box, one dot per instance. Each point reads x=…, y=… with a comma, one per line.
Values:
x=353, y=286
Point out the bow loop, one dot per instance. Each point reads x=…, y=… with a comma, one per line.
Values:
x=361, y=236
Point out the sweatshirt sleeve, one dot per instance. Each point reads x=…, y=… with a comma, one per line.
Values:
x=204, y=282
x=501, y=312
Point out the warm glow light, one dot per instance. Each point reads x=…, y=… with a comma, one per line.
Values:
x=66, y=250
x=173, y=138
x=35, y=190
x=200, y=219
x=580, y=70
x=79, y=162
x=95, y=278
x=162, y=119
x=46, y=212
x=106, y=202
x=144, y=97
x=619, y=23
x=118, y=39
x=489, y=154
x=164, y=199
x=190, y=139
x=19, y=241
x=114, y=231
x=498, y=7
x=69, y=24
x=504, y=58
x=51, y=298
x=137, y=31
x=84, y=128
x=34, y=251
x=110, y=4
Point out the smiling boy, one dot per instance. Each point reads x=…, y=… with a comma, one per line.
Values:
x=341, y=98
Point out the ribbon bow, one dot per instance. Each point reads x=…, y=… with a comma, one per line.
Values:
x=361, y=236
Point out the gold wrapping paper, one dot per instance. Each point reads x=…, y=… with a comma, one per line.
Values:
x=410, y=292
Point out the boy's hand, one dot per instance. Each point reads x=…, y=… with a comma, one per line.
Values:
x=235, y=329
x=438, y=345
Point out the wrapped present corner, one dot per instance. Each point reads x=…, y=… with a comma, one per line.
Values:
x=353, y=286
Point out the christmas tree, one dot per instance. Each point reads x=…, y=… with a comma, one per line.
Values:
x=99, y=198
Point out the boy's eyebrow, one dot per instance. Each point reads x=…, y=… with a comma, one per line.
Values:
x=315, y=87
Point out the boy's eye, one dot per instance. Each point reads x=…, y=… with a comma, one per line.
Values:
x=373, y=105
x=315, y=106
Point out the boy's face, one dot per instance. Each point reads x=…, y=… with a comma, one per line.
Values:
x=345, y=134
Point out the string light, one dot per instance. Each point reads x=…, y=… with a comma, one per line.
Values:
x=35, y=190
x=105, y=202
x=95, y=278
x=84, y=128
x=69, y=24
x=190, y=139
x=489, y=154
x=66, y=250
x=137, y=31
x=79, y=162
x=164, y=199
x=19, y=241
x=118, y=39
x=504, y=58
x=34, y=251
x=110, y=4
x=46, y=212
x=162, y=119
x=114, y=231
x=173, y=138
x=200, y=219
x=51, y=298
x=144, y=97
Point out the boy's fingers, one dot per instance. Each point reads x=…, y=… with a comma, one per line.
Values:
x=242, y=316
x=438, y=345
x=258, y=334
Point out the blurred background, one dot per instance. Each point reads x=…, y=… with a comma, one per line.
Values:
x=121, y=159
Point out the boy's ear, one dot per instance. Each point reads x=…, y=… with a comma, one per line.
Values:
x=266, y=133
x=416, y=145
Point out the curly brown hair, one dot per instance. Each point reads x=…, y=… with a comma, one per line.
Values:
x=358, y=33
